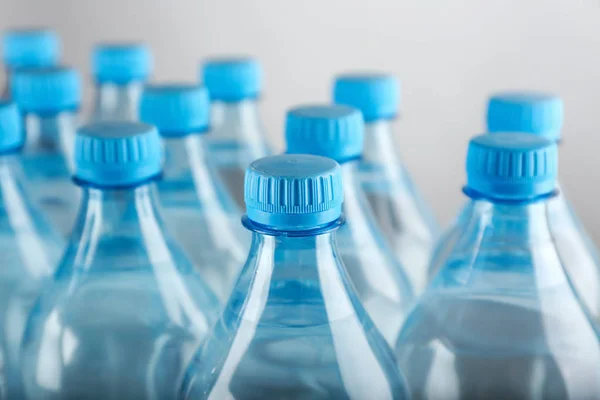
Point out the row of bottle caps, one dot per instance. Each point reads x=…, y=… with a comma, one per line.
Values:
x=385, y=244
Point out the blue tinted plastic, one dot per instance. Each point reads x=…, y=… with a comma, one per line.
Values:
x=125, y=308
x=236, y=139
x=500, y=319
x=401, y=213
x=200, y=213
x=29, y=250
x=294, y=328
x=48, y=166
x=380, y=281
x=114, y=102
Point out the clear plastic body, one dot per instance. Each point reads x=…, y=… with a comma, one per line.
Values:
x=402, y=215
x=29, y=251
x=124, y=311
x=294, y=329
x=237, y=138
x=201, y=215
x=501, y=319
x=379, y=279
x=48, y=165
x=574, y=246
x=114, y=102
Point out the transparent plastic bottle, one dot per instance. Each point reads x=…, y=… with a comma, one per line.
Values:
x=120, y=72
x=542, y=115
x=25, y=48
x=381, y=283
x=49, y=99
x=237, y=135
x=125, y=308
x=197, y=207
x=29, y=250
x=293, y=327
x=402, y=215
x=501, y=320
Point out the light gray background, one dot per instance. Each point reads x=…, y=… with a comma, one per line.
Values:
x=449, y=55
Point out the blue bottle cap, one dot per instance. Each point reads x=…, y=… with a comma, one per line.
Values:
x=46, y=89
x=12, y=136
x=30, y=48
x=121, y=63
x=377, y=96
x=176, y=110
x=537, y=113
x=232, y=79
x=511, y=166
x=117, y=154
x=293, y=192
x=333, y=131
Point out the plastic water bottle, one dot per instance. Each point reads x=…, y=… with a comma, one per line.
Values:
x=402, y=215
x=125, y=308
x=197, y=207
x=381, y=283
x=24, y=48
x=120, y=71
x=237, y=136
x=29, y=249
x=293, y=327
x=501, y=320
x=49, y=99
x=542, y=115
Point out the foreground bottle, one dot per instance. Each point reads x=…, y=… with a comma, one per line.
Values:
x=29, y=250
x=24, y=48
x=125, y=308
x=381, y=283
x=120, y=71
x=197, y=207
x=49, y=99
x=500, y=320
x=293, y=327
x=237, y=136
x=402, y=215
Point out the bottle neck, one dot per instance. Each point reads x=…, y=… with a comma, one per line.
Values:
x=186, y=165
x=379, y=144
x=507, y=238
x=113, y=222
x=239, y=121
x=117, y=102
x=51, y=133
x=299, y=271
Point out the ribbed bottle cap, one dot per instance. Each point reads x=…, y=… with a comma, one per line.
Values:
x=121, y=63
x=47, y=89
x=511, y=166
x=30, y=48
x=117, y=154
x=176, y=110
x=12, y=136
x=537, y=113
x=377, y=96
x=333, y=131
x=232, y=79
x=293, y=192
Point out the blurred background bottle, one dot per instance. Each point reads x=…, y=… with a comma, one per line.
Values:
x=197, y=207
x=49, y=99
x=402, y=215
x=120, y=72
x=337, y=132
x=23, y=48
x=237, y=135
